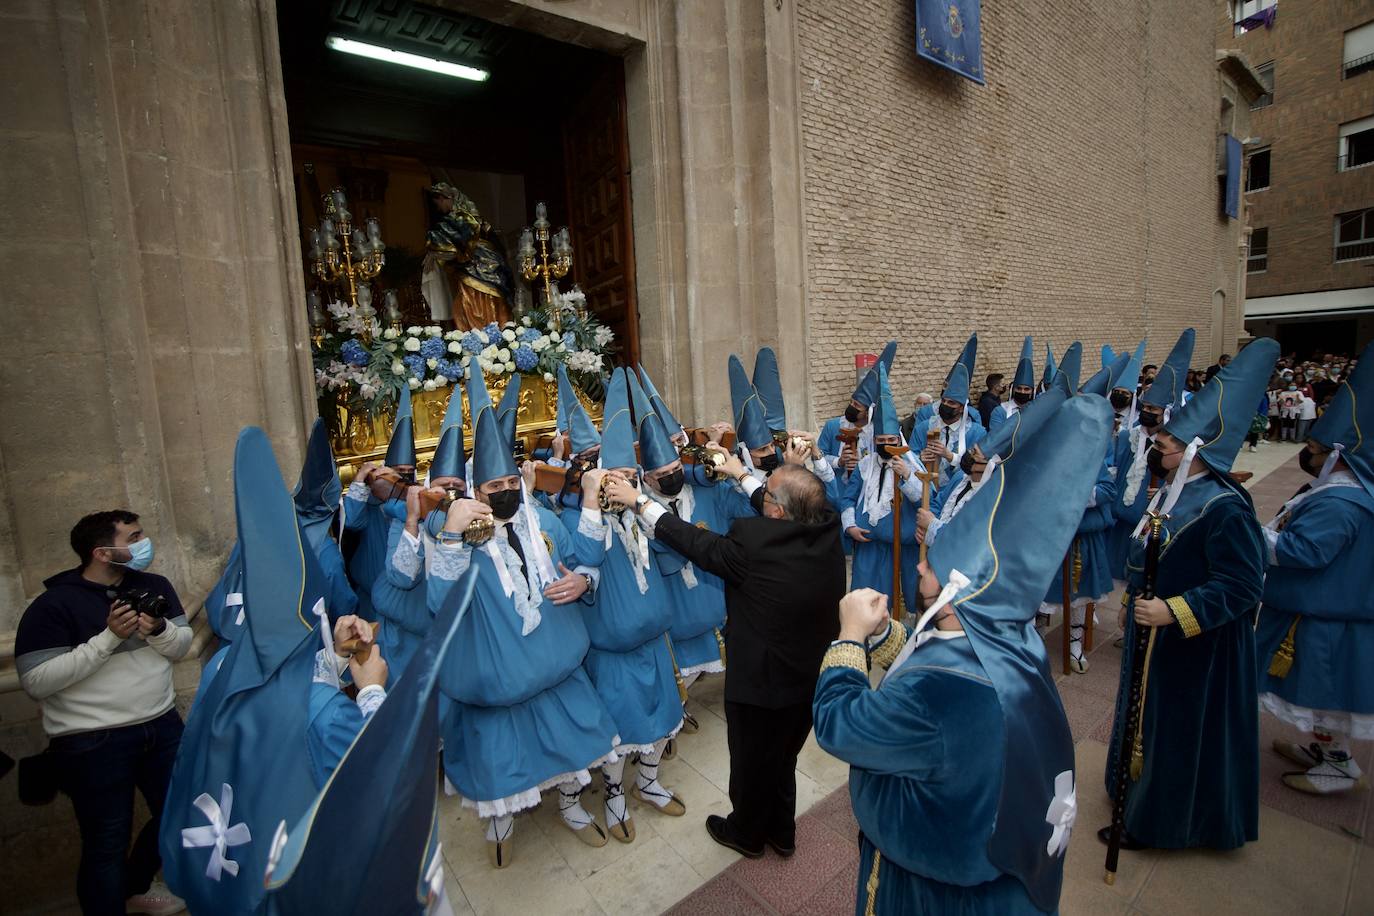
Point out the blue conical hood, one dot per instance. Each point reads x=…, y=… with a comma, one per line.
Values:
x=1020, y=426
x=969, y=355
x=1025, y=366
x=509, y=408
x=957, y=384
x=449, y=460
x=491, y=451
x=768, y=383
x=660, y=406
x=1350, y=412
x=219, y=611
x=1104, y=379
x=1129, y=377
x=1042, y=491
x=1071, y=365
x=1220, y=414
x=1167, y=388
x=867, y=392
x=751, y=427
x=573, y=420
x=318, y=490
x=655, y=448
x=1108, y=355
x=1050, y=368
x=885, y=420
x=401, y=450
x=640, y=407
x=617, y=429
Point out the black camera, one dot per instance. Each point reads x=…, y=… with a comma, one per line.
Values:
x=141, y=600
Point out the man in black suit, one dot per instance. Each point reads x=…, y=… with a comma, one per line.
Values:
x=784, y=576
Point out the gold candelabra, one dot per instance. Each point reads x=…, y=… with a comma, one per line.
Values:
x=351, y=256
x=536, y=264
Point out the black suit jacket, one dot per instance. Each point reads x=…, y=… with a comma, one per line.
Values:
x=783, y=584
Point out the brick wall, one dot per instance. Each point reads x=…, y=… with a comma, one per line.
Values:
x=1302, y=127
x=1072, y=197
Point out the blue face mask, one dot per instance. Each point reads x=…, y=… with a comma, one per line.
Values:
x=140, y=554
x=395, y=508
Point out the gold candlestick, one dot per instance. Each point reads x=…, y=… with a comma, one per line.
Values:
x=351, y=257
x=539, y=265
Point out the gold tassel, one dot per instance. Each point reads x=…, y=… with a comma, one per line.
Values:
x=720, y=641
x=1282, y=662
x=1138, y=746
x=1077, y=566
x=677, y=672
x=872, y=886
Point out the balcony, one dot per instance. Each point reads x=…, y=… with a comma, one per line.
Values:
x=1357, y=66
x=1354, y=251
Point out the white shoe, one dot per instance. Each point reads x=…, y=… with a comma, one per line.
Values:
x=1077, y=660
x=157, y=900
x=1330, y=777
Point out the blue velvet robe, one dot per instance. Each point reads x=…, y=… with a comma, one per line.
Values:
x=1321, y=574
x=1000, y=415
x=400, y=599
x=335, y=721
x=523, y=711
x=1200, y=782
x=925, y=752
x=365, y=518
x=629, y=661
x=972, y=436
x=872, y=567
x=1090, y=544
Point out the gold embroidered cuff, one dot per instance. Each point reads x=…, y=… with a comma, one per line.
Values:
x=846, y=655
x=885, y=652
x=1184, y=615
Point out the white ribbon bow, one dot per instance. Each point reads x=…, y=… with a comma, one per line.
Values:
x=1063, y=811
x=957, y=582
x=218, y=834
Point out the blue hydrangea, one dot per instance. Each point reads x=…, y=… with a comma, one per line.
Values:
x=450, y=369
x=528, y=335
x=569, y=340
x=472, y=343
x=525, y=359
x=416, y=364
x=493, y=331
x=354, y=353
x=434, y=348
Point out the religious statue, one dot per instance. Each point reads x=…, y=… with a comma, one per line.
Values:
x=465, y=276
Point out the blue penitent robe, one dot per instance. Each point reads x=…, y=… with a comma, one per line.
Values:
x=1320, y=569
x=698, y=597
x=926, y=753
x=524, y=715
x=1200, y=782
x=629, y=661
x=1001, y=414
x=1125, y=516
x=364, y=516
x=341, y=600
x=949, y=437
x=872, y=566
x=400, y=599
x=1089, y=548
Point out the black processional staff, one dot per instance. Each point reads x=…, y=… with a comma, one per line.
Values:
x=1130, y=751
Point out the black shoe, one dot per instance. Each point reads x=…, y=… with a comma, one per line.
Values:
x=1128, y=842
x=719, y=829
x=783, y=849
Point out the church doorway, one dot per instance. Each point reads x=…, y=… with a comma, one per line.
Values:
x=547, y=125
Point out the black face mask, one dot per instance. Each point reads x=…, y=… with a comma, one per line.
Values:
x=1149, y=420
x=671, y=485
x=768, y=463
x=1310, y=462
x=1121, y=400
x=1022, y=399
x=851, y=413
x=949, y=414
x=1154, y=460
x=966, y=463
x=504, y=503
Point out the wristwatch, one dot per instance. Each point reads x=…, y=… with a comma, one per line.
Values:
x=640, y=502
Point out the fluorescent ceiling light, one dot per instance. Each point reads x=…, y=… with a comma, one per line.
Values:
x=405, y=59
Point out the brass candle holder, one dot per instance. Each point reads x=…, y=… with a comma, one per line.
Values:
x=344, y=254
x=537, y=264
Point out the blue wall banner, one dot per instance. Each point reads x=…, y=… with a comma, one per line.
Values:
x=950, y=33
x=1233, y=173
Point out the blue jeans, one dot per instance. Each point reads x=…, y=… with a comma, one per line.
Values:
x=99, y=770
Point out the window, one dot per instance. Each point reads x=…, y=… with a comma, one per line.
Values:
x=1355, y=235
x=1257, y=171
x=1266, y=72
x=1358, y=56
x=1257, y=262
x=1252, y=14
x=1357, y=144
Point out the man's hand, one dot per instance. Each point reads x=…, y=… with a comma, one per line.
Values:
x=351, y=626
x=560, y=446
x=413, y=507
x=527, y=475
x=618, y=490
x=932, y=455
x=858, y=534
x=365, y=472
x=717, y=430
x=863, y=613
x=568, y=588
x=849, y=456
x=372, y=671
x=733, y=467
x=591, y=483
x=463, y=512
x=900, y=469
x=796, y=453
x=1152, y=612
x=122, y=620
x=150, y=626
x=923, y=519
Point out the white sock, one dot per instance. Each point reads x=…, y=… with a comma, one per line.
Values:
x=570, y=805
x=1077, y=617
x=613, y=774
x=647, y=779
x=500, y=828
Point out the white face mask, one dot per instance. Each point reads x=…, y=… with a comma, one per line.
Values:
x=140, y=554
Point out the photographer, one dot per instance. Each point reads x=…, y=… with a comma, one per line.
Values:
x=96, y=649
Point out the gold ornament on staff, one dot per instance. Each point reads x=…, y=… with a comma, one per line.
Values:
x=536, y=264
x=341, y=253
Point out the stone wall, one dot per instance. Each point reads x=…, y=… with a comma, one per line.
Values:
x=1073, y=197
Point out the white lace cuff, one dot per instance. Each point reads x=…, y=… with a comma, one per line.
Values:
x=823, y=470
x=847, y=519
x=369, y=698
x=329, y=668
x=590, y=523
x=358, y=491
x=406, y=558
x=450, y=561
